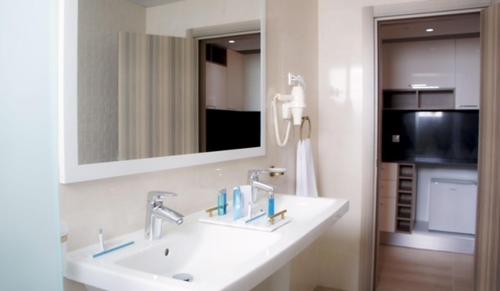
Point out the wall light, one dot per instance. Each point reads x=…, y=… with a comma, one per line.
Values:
x=437, y=114
x=430, y=29
x=232, y=41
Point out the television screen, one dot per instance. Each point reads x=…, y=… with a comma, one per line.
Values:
x=436, y=137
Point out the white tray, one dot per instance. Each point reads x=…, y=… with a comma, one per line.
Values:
x=260, y=224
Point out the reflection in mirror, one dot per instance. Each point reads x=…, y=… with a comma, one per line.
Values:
x=144, y=93
x=229, y=92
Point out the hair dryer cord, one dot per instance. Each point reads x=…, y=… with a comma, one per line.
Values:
x=276, y=125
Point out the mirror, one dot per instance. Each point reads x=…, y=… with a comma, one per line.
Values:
x=160, y=79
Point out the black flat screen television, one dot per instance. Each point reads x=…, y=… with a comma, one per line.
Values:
x=431, y=137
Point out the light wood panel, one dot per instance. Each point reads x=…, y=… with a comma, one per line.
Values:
x=405, y=269
x=488, y=227
x=157, y=103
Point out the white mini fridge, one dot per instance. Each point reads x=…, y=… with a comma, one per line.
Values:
x=452, y=205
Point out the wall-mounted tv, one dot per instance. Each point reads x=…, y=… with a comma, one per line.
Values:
x=431, y=137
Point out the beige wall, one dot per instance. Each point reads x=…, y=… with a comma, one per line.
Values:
x=292, y=46
x=99, y=24
x=346, y=123
x=118, y=205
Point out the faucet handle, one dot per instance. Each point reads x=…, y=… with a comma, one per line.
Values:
x=160, y=196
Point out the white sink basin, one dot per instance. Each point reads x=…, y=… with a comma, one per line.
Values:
x=198, y=250
x=217, y=257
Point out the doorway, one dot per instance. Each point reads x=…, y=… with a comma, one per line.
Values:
x=229, y=89
x=428, y=136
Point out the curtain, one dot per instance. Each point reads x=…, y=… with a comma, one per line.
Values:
x=157, y=99
x=488, y=227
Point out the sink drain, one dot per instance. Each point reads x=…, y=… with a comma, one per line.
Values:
x=183, y=277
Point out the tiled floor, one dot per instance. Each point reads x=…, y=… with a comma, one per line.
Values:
x=405, y=269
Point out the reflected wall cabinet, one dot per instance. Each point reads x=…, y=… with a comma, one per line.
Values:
x=446, y=71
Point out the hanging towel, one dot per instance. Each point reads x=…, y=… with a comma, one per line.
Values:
x=306, y=176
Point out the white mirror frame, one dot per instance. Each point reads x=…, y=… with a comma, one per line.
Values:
x=70, y=171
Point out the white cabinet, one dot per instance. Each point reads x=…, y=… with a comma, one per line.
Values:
x=388, y=172
x=387, y=190
x=427, y=62
x=452, y=206
x=215, y=86
x=468, y=71
x=448, y=63
x=387, y=214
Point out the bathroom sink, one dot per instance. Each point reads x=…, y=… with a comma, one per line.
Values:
x=198, y=256
x=199, y=250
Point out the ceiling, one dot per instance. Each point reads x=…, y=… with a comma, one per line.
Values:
x=441, y=26
x=242, y=43
x=151, y=3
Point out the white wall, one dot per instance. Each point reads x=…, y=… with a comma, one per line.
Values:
x=235, y=80
x=29, y=223
x=118, y=204
x=176, y=18
x=251, y=82
x=426, y=173
x=235, y=86
x=99, y=23
x=346, y=133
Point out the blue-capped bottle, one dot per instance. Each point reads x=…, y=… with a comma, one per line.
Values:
x=238, y=204
x=270, y=205
x=222, y=202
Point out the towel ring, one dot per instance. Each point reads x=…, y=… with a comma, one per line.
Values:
x=304, y=120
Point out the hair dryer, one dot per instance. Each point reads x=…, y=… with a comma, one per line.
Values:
x=292, y=107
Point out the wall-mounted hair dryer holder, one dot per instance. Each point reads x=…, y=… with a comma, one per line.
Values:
x=292, y=107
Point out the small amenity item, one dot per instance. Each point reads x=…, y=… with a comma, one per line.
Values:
x=222, y=202
x=113, y=249
x=238, y=204
x=270, y=205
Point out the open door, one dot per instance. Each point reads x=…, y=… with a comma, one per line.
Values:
x=488, y=243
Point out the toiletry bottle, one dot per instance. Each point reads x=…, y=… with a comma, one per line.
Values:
x=222, y=202
x=238, y=203
x=270, y=205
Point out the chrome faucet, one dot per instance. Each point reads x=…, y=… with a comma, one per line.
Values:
x=157, y=212
x=256, y=186
x=254, y=180
x=254, y=175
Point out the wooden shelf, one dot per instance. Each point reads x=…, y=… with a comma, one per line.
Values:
x=403, y=205
x=406, y=197
x=405, y=191
x=418, y=99
x=396, y=205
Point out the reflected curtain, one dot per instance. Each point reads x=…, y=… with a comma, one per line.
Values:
x=158, y=104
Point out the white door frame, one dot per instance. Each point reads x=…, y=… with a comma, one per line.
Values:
x=397, y=12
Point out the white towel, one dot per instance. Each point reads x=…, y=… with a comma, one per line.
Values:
x=306, y=176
